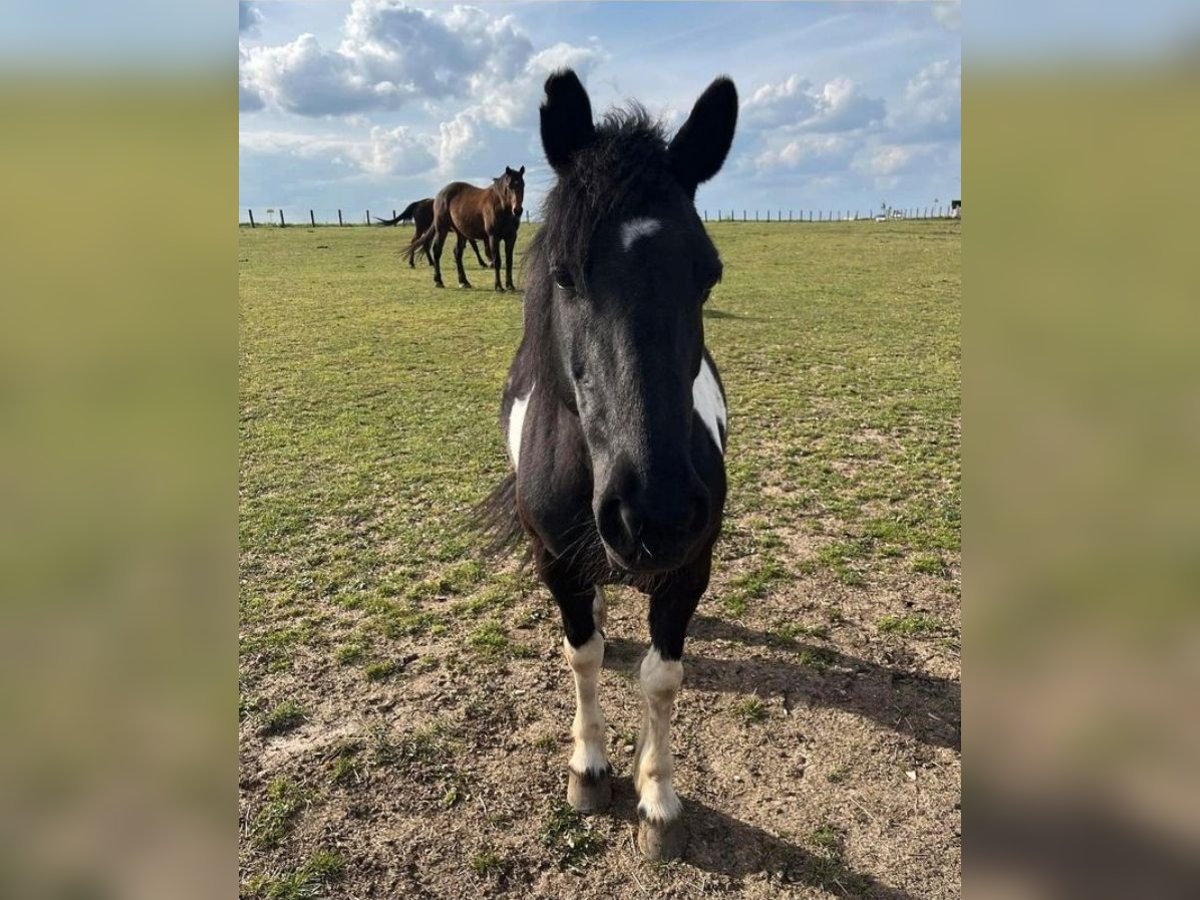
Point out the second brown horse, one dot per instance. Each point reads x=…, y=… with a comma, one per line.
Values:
x=492, y=214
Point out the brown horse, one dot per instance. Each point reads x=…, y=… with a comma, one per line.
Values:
x=420, y=213
x=493, y=214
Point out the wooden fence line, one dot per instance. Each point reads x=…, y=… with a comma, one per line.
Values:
x=915, y=213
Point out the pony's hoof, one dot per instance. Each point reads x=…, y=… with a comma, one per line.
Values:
x=438, y=284
x=499, y=290
x=662, y=841
x=464, y=285
x=589, y=793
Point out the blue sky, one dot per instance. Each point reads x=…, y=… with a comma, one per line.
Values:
x=373, y=103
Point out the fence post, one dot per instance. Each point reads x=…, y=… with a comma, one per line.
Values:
x=252, y=225
x=743, y=215
x=756, y=215
x=393, y=214
x=368, y=217
x=339, y=218
x=706, y=215
x=282, y=224
x=312, y=218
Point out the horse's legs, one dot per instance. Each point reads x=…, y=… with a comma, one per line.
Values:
x=475, y=247
x=439, y=239
x=589, y=783
x=508, y=253
x=494, y=240
x=460, y=245
x=660, y=830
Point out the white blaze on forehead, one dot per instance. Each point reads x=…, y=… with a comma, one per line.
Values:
x=709, y=402
x=636, y=228
x=516, y=421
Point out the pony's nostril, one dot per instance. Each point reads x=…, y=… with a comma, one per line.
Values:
x=632, y=527
x=613, y=522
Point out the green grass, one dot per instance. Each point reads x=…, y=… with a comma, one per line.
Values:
x=569, y=837
x=368, y=429
x=750, y=710
x=752, y=585
x=381, y=671
x=275, y=819
x=486, y=863
x=818, y=659
x=322, y=869
x=491, y=640
x=285, y=717
x=910, y=625
x=787, y=633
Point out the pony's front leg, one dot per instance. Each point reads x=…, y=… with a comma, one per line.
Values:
x=589, y=781
x=661, y=834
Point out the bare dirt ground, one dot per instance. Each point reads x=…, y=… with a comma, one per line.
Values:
x=843, y=782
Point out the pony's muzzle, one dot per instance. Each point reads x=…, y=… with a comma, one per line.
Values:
x=652, y=530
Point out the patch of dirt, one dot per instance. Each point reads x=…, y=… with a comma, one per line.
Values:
x=848, y=784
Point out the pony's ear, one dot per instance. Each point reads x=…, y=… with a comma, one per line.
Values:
x=699, y=149
x=522, y=171
x=508, y=171
x=566, y=119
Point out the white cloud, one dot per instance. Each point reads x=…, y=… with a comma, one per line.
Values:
x=810, y=153
x=249, y=99
x=948, y=13
x=504, y=121
x=249, y=17
x=390, y=53
x=565, y=56
x=837, y=105
x=887, y=159
x=931, y=107
x=385, y=151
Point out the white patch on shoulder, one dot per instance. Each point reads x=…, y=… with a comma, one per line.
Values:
x=516, y=422
x=636, y=228
x=709, y=402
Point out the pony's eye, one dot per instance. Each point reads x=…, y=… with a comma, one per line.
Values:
x=562, y=278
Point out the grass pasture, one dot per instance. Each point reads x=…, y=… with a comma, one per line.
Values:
x=404, y=708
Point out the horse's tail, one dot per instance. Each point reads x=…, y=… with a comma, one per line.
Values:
x=420, y=242
x=495, y=519
x=409, y=211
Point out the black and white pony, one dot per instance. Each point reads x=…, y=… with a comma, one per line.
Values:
x=614, y=413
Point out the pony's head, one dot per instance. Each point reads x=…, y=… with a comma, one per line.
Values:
x=622, y=267
x=511, y=188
